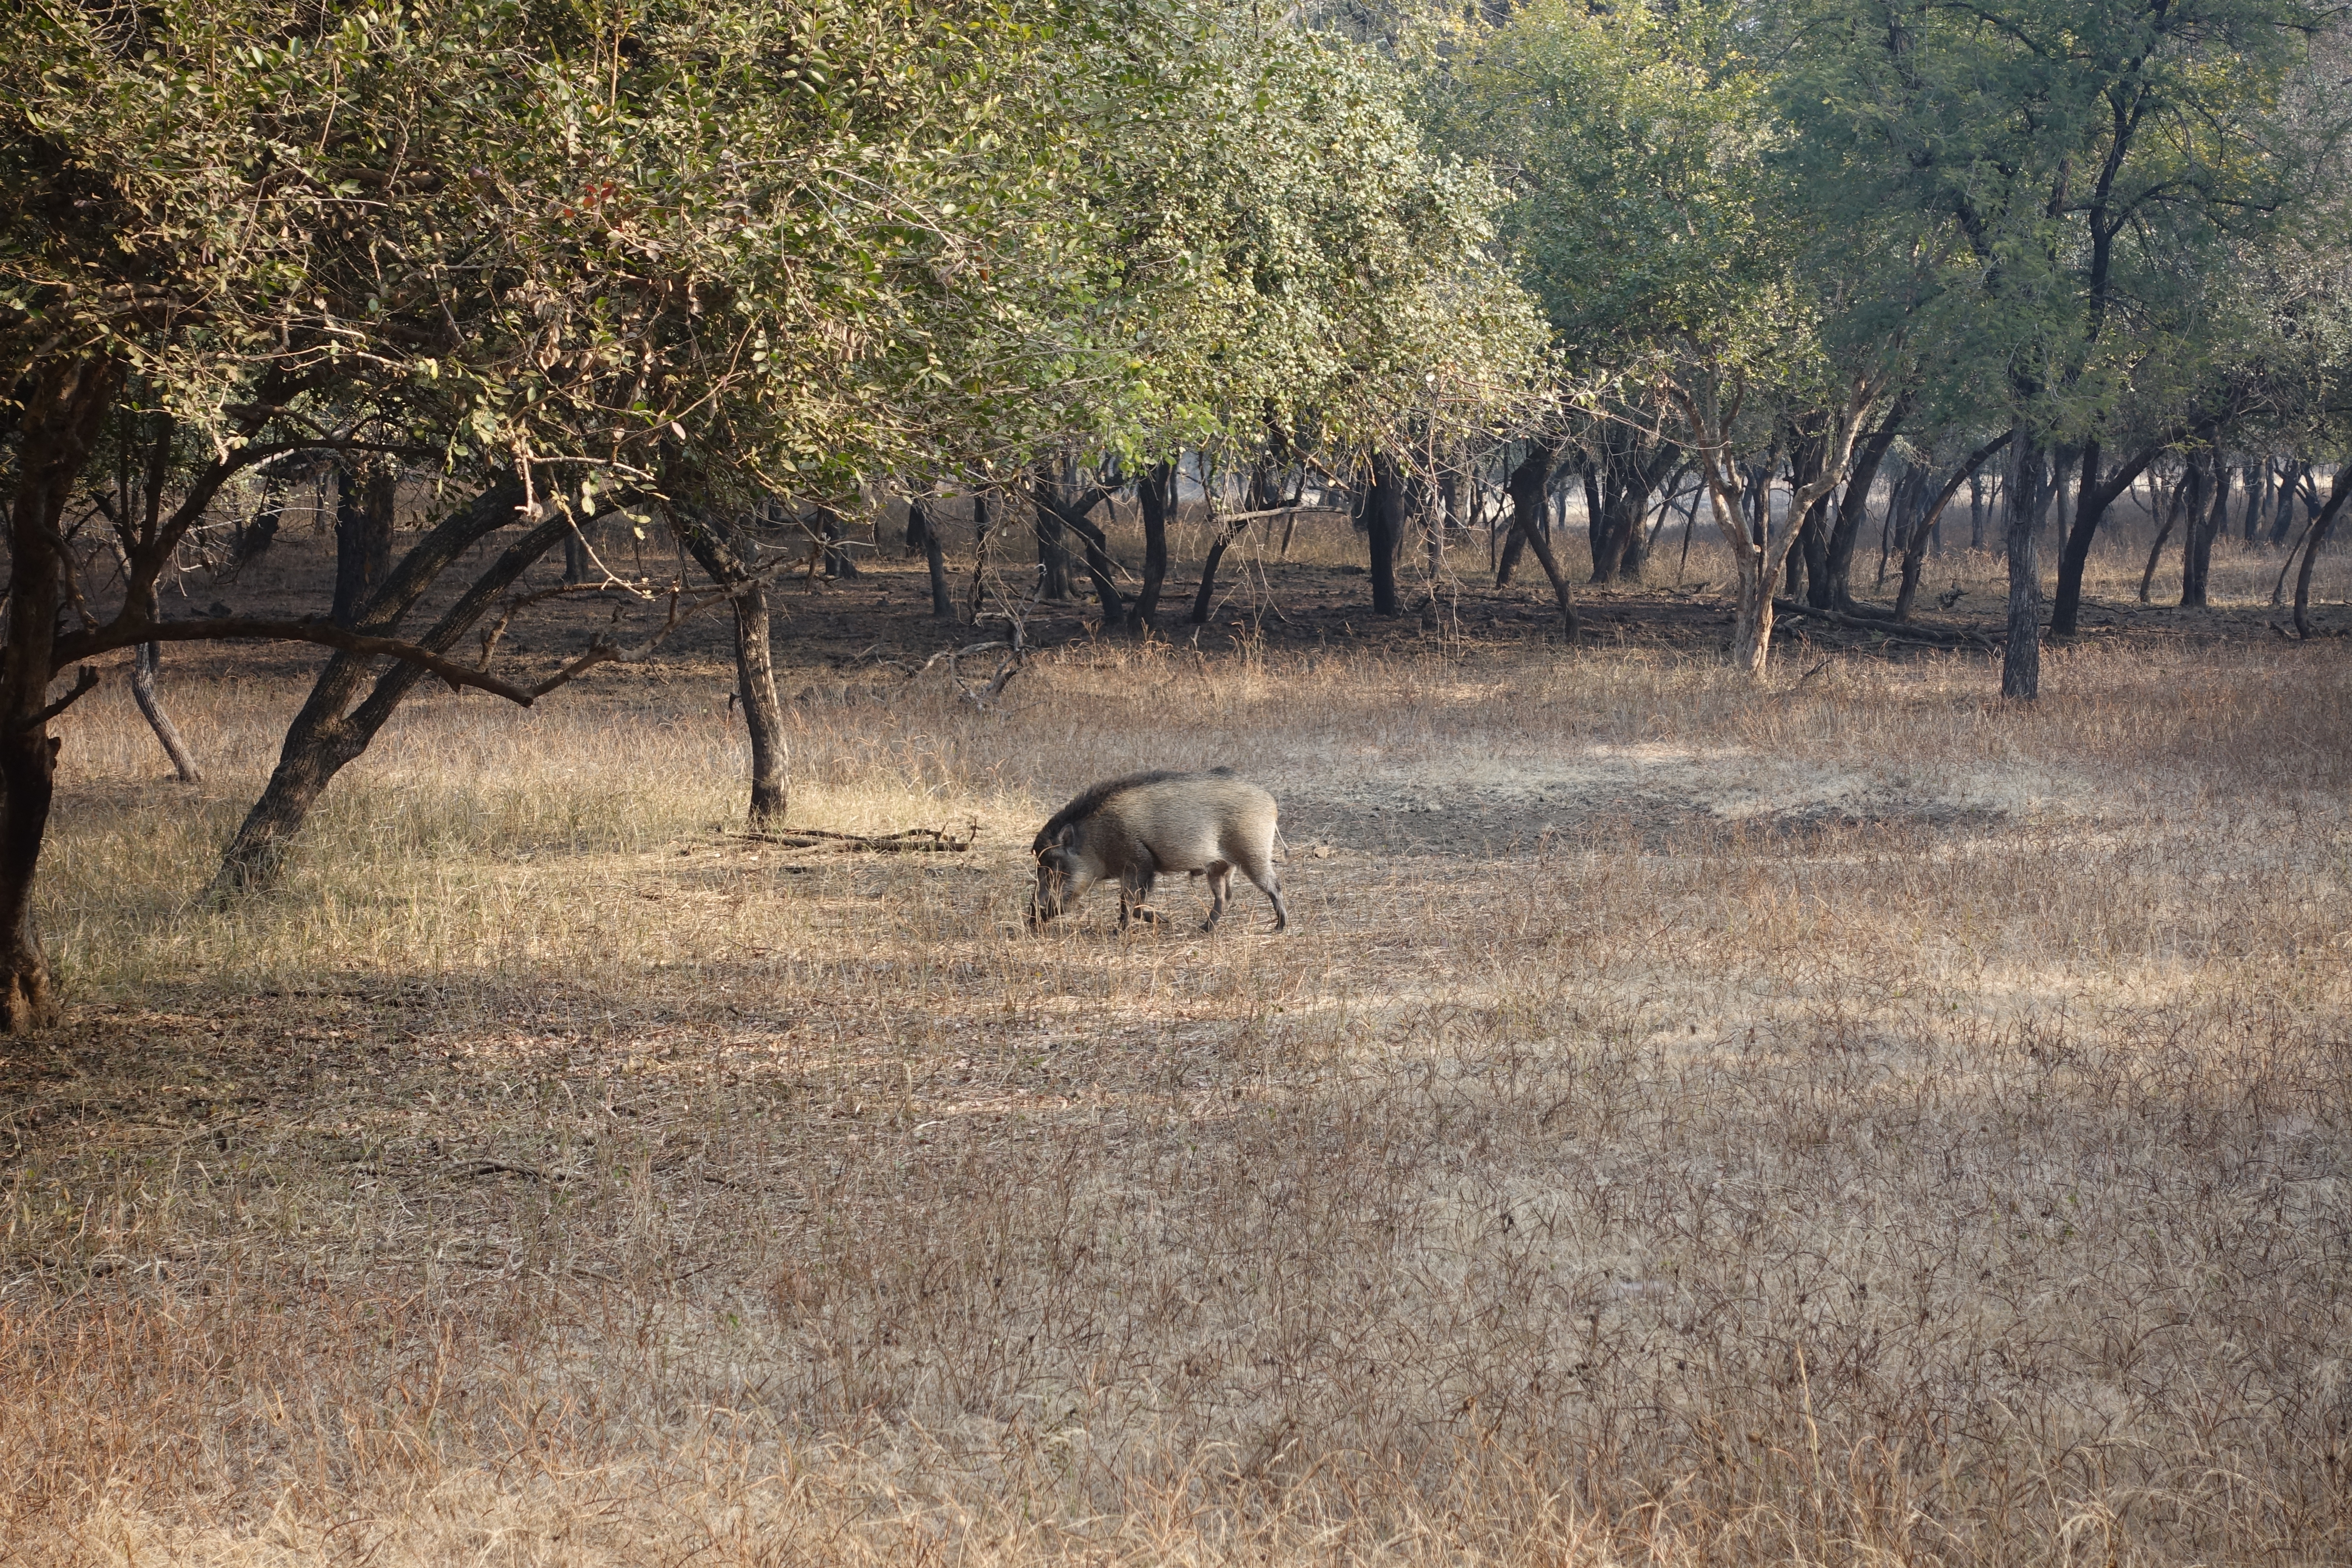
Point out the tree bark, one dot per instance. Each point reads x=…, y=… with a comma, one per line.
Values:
x=2185, y=493
x=362, y=535
x=1265, y=494
x=731, y=560
x=1156, y=493
x=2337, y=494
x=146, y=659
x=2290, y=490
x=1053, y=555
x=923, y=533
x=324, y=739
x=1385, y=526
x=2197, y=550
x=1854, y=510
x=65, y=403
x=2094, y=495
x=1529, y=487
x=1930, y=518
x=2021, y=660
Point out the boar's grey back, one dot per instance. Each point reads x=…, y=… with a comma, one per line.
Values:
x=1096, y=795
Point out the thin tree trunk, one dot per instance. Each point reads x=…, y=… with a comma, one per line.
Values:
x=1053, y=553
x=1156, y=492
x=1099, y=565
x=1931, y=518
x=2337, y=494
x=2278, y=589
x=2181, y=493
x=982, y=534
x=2290, y=490
x=146, y=659
x=922, y=533
x=2197, y=549
x=1854, y=508
x=2021, y=661
x=731, y=561
x=1528, y=486
x=1385, y=530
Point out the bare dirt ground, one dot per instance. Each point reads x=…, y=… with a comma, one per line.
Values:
x=1854, y=1121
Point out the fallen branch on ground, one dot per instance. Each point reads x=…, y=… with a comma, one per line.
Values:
x=909, y=840
x=1898, y=631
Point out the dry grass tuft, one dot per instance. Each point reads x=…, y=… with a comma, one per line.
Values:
x=1855, y=1122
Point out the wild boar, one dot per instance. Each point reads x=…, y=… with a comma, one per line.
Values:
x=1146, y=825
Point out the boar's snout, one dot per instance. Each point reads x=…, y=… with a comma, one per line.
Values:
x=1053, y=885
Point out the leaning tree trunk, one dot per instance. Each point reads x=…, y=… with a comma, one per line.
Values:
x=2183, y=494
x=1931, y=518
x=2337, y=494
x=1836, y=592
x=2020, y=659
x=65, y=401
x=324, y=738
x=145, y=661
x=1529, y=486
x=1264, y=495
x=731, y=561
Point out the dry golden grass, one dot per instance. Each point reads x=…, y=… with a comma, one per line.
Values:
x=1854, y=1123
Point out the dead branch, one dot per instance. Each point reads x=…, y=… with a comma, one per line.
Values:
x=261, y=628
x=1894, y=631
x=83, y=685
x=909, y=840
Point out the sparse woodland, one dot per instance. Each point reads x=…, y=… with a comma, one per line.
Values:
x=1781, y=559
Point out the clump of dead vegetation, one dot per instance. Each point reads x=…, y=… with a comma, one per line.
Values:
x=1868, y=1123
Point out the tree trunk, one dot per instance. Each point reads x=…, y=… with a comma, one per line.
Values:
x=2021, y=660
x=65, y=401
x=983, y=530
x=2197, y=550
x=363, y=536
x=1976, y=514
x=323, y=738
x=146, y=659
x=1265, y=494
x=2094, y=494
x=2337, y=494
x=258, y=535
x=1053, y=555
x=1854, y=508
x=923, y=533
x=731, y=558
x=1931, y=518
x=1529, y=487
x=2185, y=493
x=1385, y=521
x=1156, y=493
x=2290, y=490
x=575, y=557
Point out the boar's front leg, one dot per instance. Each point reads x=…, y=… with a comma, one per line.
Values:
x=1134, y=887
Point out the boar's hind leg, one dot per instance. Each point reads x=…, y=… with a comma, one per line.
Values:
x=1259, y=869
x=1134, y=887
x=1221, y=892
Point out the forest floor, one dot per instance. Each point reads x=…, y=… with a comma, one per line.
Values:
x=1851, y=1120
